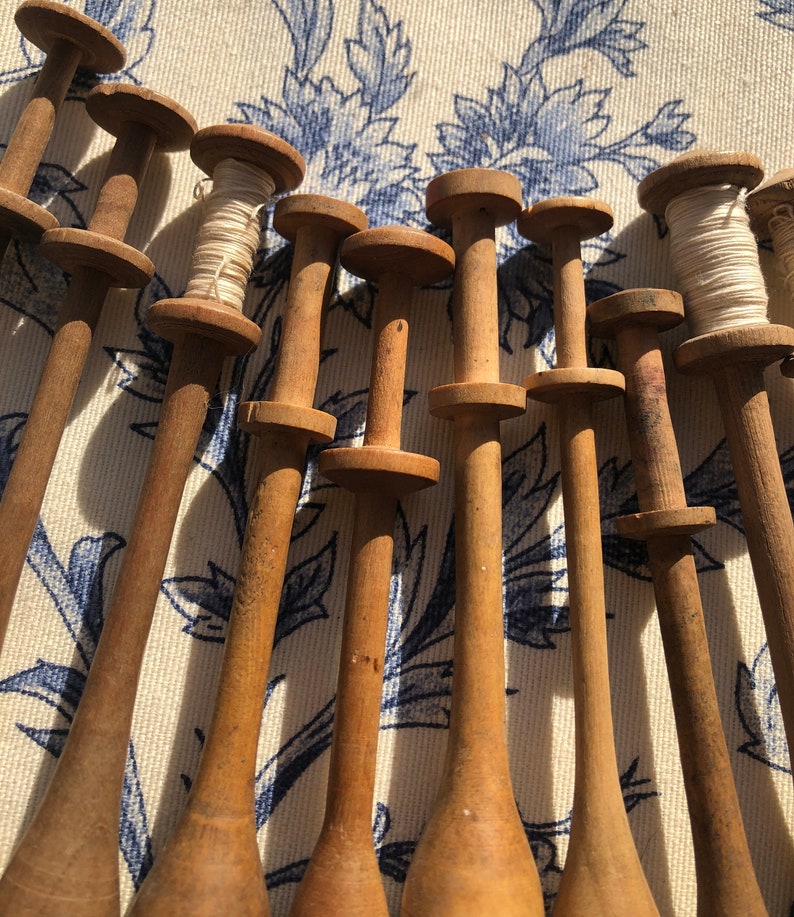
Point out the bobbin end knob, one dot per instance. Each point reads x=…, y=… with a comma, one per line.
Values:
x=659, y=309
x=409, y=253
x=588, y=216
x=319, y=212
x=489, y=191
x=112, y=105
x=696, y=169
x=770, y=194
x=253, y=145
x=44, y=23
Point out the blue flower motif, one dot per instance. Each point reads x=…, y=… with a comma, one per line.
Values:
x=549, y=138
x=344, y=137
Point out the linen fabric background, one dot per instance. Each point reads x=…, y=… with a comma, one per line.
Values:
x=575, y=97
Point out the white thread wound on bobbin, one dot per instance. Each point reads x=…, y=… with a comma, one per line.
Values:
x=781, y=228
x=229, y=235
x=716, y=260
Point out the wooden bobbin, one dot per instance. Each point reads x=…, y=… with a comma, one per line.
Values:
x=598, y=878
x=735, y=359
x=342, y=877
x=473, y=856
x=71, y=41
x=726, y=881
x=97, y=259
x=67, y=860
x=761, y=204
x=211, y=863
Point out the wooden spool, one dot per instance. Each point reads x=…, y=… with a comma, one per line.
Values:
x=762, y=202
x=71, y=41
x=342, y=878
x=598, y=877
x=726, y=881
x=67, y=860
x=211, y=863
x=735, y=359
x=473, y=856
x=98, y=259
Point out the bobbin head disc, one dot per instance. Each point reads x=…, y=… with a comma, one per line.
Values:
x=410, y=253
x=112, y=105
x=496, y=193
x=588, y=216
x=659, y=309
x=22, y=218
x=44, y=23
x=697, y=169
x=316, y=211
x=761, y=203
x=253, y=145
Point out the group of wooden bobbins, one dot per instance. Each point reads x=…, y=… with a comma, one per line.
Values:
x=473, y=856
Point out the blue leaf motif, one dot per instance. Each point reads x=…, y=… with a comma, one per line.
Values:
x=779, y=13
x=758, y=706
x=11, y=428
x=305, y=587
x=144, y=372
x=379, y=58
x=57, y=686
x=134, y=839
x=594, y=24
x=535, y=600
x=204, y=601
x=280, y=773
x=60, y=687
x=78, y=589
x=309, y=23
x=131, y=22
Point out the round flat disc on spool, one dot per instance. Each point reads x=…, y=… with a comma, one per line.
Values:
x=71, y=248
x=594, y=383
x=590, y=217
x=316, y=210
x=662, y=523
x=45, y=22
x=763, y=344
x=174, y=319
x=413, y=254
x=659, y=309
x=490, y=190
x=697, y=169
x=112, y=105
x=761, y=203
x=22, y=218
x=372, y=469
x=253, y=145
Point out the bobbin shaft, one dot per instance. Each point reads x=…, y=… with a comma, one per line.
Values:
x=725, y=877
x=79, y=815
x=342, y=877
x=597, y=878
x=96, y=264
x=76, y=827
x=211, y=862
x=473, y=855
x=71, y=40
x=735, y=358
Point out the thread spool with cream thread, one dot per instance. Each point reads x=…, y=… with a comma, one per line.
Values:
x=735, y=356
x=71, y=865
x=771, y=207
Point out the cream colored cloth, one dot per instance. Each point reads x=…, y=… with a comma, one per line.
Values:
x=575, y=99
